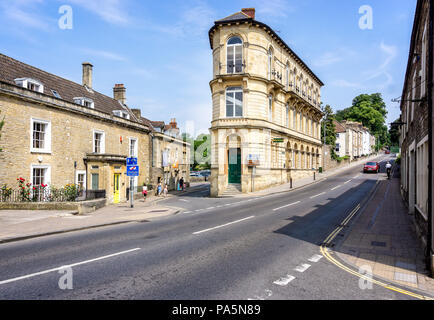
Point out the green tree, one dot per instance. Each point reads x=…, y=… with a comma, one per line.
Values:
x=394, y=133
x=370, y=110
x=330, y=129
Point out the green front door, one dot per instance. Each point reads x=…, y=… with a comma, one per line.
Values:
x=234, y=156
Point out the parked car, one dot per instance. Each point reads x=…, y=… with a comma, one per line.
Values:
x=387, y=152
x=371, y=167
x=194, y=174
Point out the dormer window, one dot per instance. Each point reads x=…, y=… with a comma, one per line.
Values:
x=85, y=102
x=30, y=84
x=122, y=114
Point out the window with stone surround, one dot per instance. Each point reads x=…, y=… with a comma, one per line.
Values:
x=98, y=141
x=40, y=140
x=270, y=108
x=235, y=55
x=234, y=102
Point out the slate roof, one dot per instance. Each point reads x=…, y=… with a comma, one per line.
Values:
x=339, y=127
x=235, y=17
x=11, y=69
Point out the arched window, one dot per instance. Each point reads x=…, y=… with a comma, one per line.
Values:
x=300, y=128
x=270, y=63
x=235, y=55
x=294, y=119
x=270, y=108
x=287, y=77
x=234, y=102
x=287, y=115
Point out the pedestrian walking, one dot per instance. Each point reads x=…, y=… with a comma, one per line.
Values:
x=159, y=189
x=165, y=192
x=181, y=183
x=144, y=192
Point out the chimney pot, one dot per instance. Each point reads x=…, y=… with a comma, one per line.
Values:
x=119, y=93
x=87, y=74
x=137, y=113
x=249, y=11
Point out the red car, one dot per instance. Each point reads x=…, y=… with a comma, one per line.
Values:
x=371, y=167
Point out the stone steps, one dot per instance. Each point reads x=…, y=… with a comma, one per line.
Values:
x=232, y=190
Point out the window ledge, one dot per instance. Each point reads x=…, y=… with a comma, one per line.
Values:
x=40, y=151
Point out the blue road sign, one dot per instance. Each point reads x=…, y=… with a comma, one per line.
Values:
x=132, y=171
x=132, y=161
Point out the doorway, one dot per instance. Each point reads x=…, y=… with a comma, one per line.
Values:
x=116, y=185
x=234, y=174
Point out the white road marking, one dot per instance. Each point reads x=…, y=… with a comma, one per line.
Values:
x=187, y=211
x=337, y=187
x=288, y=205
x=356, y=176
x=284, y=281
x=315, y=258
x=198, y=210
x=348, y=181
x=302, y=268
x=210, y=208
x=317, y=195
x=184, y=200
x=228, y=204
x=223, y=225
x=66, y=266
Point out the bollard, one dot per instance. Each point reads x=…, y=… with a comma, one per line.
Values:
x=314, y=178
x=290, y=183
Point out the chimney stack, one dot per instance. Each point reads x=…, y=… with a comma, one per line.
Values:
x=137, y=113
x=87, y=74
x=173, y=123
x=249, y=11
x=119, y=93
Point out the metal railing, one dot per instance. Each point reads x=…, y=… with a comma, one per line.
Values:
x=41, y=194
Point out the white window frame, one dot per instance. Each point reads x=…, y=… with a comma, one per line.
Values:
x=102, y=151
x=47, y=177
x=82, y=100
x=234, y=47
x=287, y=115
x=23, y=82
x=47, y=138
x=83, y=172
x=136, y=149
x=121, y=114
x=234, y=90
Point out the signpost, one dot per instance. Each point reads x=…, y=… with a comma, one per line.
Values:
x=132, y=171
x=252, y=162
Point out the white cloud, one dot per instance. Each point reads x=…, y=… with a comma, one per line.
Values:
x=111, y=11
x=24, y=14
x=273, y=8
x=103, y=54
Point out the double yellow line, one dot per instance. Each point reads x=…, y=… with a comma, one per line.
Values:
x=325, y=252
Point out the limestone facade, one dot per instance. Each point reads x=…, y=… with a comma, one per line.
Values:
x=266, y=107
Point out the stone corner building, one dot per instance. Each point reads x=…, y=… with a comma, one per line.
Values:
x=59, y=132
x=266, y=107
x=416, y=127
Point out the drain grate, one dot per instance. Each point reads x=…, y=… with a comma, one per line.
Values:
x=378, y=244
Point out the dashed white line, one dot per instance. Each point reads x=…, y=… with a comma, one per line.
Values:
x=184, y=200
x=317, y=195
x=347, y=181
x=223, y=225
x=302, y=268
x=337, y=187
x=66, y=266
x=284, y=280
x=288, y=205
x=210, y=208
x=315, y=258
x=187, y=211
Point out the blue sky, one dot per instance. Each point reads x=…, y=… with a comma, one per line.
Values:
x=160, y=49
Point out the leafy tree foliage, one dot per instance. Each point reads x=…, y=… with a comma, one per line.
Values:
x=394, y=133
x=330, y=130
x=370, y=110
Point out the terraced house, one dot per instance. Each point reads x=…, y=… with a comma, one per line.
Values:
x=266, y=108
x=417, y=124
x=59, y=132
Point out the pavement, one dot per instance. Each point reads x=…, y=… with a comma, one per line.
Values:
x=383, y=238
x=286, y=187
x=23, y=224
